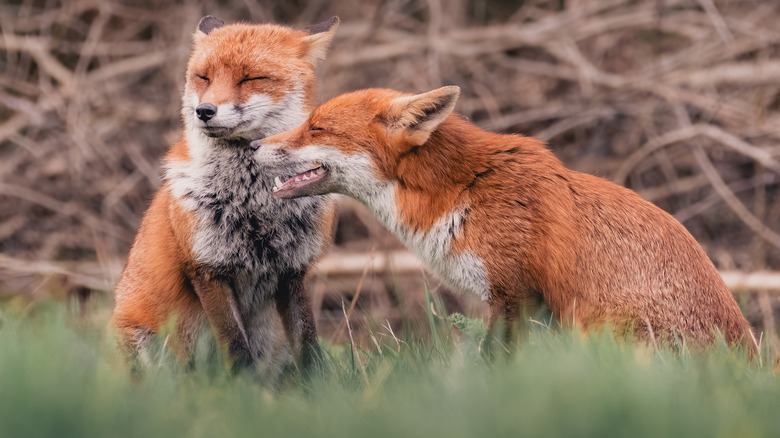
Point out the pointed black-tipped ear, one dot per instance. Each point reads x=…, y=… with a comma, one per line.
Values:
x=322, y=27
x=207, y=24
x=422, y=113
x=320, y=36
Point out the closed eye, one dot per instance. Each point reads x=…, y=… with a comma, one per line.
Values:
x=203, y=78
x=316, y=129
x=252, y=78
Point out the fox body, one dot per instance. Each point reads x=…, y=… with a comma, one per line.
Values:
x=500, y=216
x=215, y=250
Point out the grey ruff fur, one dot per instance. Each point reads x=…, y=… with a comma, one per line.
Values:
x=246, y=235
x=250, y=237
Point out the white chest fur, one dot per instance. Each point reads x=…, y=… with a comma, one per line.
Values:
x=463, y=271
x=355, y=175
x=239, y=224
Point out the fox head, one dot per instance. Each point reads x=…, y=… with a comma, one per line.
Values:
x=355, y=141
x=249, y=81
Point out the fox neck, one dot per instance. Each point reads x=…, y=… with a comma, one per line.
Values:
x=429, y=182
x=234, y=209
x=433, y=243
x=426, y=206
x=402, y=209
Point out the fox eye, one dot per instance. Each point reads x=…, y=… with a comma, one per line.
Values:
x=314, y=128
x=203, y=78
x=252, y=78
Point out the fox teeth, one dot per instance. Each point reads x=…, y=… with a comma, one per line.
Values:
x=278, y=181
x=305, y=177
x=297, y=179
x=319, y=171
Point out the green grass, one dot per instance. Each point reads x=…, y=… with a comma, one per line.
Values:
x=59, y=378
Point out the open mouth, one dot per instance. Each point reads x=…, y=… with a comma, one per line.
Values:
x=294, y=185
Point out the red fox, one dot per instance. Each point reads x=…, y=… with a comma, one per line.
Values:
x=215, y=249
x=501, y=217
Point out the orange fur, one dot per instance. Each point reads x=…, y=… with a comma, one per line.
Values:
x=221, y=59
x=596, y=253
x=163, y=278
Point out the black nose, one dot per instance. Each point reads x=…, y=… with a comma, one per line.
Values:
x=255, y=145
x=206, y=111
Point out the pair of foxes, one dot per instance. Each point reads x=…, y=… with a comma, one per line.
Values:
x=244, y=213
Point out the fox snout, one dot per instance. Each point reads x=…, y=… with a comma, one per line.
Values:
x=269, y=154
x=206, y=111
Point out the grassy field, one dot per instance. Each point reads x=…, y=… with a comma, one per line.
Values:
x=59, y=378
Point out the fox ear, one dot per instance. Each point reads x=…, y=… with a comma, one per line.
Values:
x=319, y=38
x=421, y=114
x=206, y=25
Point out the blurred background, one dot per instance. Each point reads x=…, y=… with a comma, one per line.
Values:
x=676, y=99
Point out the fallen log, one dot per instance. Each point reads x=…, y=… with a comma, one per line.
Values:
x=104, y=275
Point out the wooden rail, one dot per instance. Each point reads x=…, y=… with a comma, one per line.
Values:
x=404, y=262
x=103, y=276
